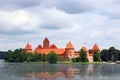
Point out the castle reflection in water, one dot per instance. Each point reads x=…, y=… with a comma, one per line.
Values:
x=69, y=72
x=30, y=71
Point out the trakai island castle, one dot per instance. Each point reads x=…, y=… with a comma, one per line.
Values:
x=66, y=53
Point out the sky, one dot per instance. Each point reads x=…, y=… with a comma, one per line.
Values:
x=83, y=22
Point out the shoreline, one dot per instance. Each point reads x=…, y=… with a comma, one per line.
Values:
x=63, y=62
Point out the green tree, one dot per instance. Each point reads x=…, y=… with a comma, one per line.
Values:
x=2, y=54
x=44, y=58
x=9, y=56
x=73, y=60
x=96, y=56
x=18, y=55
x=77, y=59
x=111, y=53
x=29, y=57
x=36, y=57
x=115, y=56
x=52, y=57
x=83, y=56
x=22, y=56
x=104, y=55
x=118, y=55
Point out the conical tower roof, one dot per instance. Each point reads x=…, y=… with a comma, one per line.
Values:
x=69, y=45
x=95, y=47
x=28, y=46
x=84, y=48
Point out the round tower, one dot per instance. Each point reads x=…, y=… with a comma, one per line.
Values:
x=85, y=49
x=69, y=51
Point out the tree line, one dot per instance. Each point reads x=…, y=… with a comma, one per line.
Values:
x=2, y=54
x=19, y=55
x=110, y=55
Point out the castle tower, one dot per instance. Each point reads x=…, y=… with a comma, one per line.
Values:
x=46, y=43
x=85, y=49
x=69, y=50
x=28, y=48
x=90, y=58
x=95, y=47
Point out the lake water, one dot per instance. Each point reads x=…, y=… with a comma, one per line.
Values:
x=25, y=71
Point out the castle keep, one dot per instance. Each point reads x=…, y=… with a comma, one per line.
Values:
x=64, y=53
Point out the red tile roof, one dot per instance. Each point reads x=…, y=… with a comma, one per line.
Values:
x=69, y=45
x=84, y=48
x=47, y=51
x=95, y=47
x=28, y=46
x=53, y=46
x=37, y=48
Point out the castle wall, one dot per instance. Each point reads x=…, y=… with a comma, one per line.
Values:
x=90, y=58
x=64, y=53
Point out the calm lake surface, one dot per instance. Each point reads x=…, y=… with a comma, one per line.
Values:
x=25, y=71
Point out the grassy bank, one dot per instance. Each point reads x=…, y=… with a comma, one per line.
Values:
x=88, y=63
x=62, y=62
x=66, y=62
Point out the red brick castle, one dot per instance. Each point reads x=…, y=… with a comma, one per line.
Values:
x=64, y=53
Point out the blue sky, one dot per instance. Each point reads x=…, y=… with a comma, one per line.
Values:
x=79, y=21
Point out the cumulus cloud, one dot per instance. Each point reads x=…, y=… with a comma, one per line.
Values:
x=61, y=21
x=18, y=20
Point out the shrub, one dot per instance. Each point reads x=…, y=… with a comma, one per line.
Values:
x=52, y=57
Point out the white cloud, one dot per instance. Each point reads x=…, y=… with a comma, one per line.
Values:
x=18, y=19
x=86, y=21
